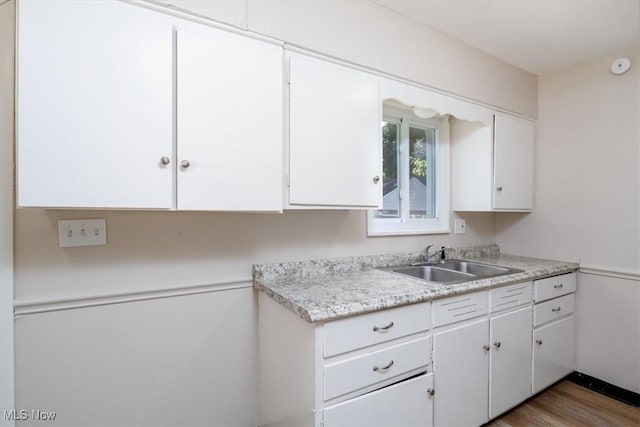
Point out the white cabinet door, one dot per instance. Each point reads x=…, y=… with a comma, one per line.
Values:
x=408, y=403
x=553, y=352
x=94, y=113
x=513, y=163
x=229, y=115
x=510, y=380
x=461, y=375
x=335, y=135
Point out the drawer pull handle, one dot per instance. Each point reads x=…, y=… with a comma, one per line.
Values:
x=498, y=344
x=376, y=368
x=431, y=391
x=539, y=342
x=383, y=328
x=557, y=286
x=557, y=309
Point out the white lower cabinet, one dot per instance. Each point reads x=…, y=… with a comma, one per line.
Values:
x=482, y=367
x=461, y=369
x=553, y=352
x=311, y=375
x=554, y=330
x=481, y=357
x=408, y=403
x=510, y=378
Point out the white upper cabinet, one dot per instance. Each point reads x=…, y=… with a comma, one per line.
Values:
x=493, y=166
x=334, y=135
x=513, y=168
x=123, y=107
x=229, y=115
x=94, y=111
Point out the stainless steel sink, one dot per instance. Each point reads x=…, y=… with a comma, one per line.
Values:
x=481, y=270
x=452, y=271
x=435, y=274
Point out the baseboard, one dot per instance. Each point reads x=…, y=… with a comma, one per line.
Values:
x=603, y=387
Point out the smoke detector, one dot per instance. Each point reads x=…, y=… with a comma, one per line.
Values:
x=620, y=66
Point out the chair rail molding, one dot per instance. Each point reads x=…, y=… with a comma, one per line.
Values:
x=618, y=273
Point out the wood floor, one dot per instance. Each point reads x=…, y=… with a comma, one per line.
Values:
x=568, y=404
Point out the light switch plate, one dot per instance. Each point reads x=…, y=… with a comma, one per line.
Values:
x=82, y=232
x=460, y=226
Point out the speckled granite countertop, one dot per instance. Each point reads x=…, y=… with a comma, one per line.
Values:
x=330, y=289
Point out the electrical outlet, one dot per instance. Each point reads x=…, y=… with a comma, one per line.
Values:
x=460, y=227
x=82, y=232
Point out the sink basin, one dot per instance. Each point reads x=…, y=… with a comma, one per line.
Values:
x=435, y=274
x=481, y=270
x=452, y=271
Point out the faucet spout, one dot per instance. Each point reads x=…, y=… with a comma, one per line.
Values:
x=442, y=252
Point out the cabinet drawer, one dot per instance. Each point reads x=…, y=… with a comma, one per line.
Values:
x=555, y=286
x=458, y=308
x=404, y=404
x=362, y=371
x=341, y=336
x=553, y=309
x=510, y=296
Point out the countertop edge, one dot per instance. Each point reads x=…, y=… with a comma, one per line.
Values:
x=330, y=312
x=434, y=293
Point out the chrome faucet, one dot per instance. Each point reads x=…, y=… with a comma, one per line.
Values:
x=426, y=256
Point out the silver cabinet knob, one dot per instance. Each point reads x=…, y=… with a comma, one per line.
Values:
x=499, y=188
x=539, y=342
x=431, y=391
x=185, y=164
x=498, y=344
x=376, y=179
x=165, y=160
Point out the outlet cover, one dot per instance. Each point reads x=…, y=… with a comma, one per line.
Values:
x=82, y=232
x=460, y=227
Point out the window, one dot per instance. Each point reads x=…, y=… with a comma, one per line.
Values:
x=415, y=175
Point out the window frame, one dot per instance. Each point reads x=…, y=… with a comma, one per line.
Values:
x=404, y=225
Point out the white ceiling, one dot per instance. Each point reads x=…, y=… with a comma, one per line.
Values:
x=539, y=36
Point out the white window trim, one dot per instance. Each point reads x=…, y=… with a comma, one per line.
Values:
x=439, y=224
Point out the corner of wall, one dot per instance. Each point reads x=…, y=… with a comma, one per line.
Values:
x=7, y=61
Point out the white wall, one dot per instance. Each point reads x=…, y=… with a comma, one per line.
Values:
x=587, y=206
x=608, y=329
x=101, y=332
x=187, y=360
x=368, y=34
x=7, y=41
x=148, y=251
